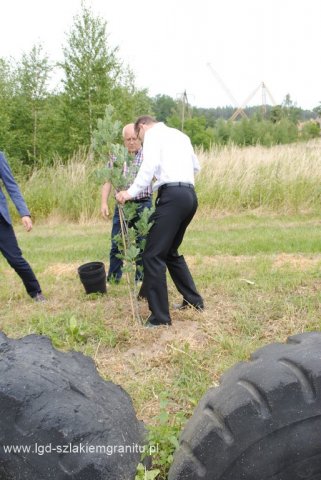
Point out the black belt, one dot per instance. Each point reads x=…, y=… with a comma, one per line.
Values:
x=138, y=200
x=176, y=184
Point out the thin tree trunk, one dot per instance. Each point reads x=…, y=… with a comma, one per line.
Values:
x=35, y=127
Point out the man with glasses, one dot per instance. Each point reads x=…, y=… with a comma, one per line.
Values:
x=143, y=200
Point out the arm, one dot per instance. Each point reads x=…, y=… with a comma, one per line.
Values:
x=143, y=179
x=12, y=187
x=105, y=192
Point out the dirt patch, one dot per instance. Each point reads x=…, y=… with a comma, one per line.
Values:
x=161, y=342
x=298, y=262
x=151, y=346
x=62, y=269
x=156, y=343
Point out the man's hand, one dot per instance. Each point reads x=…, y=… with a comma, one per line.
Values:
x=104, y=210
x=123, y=196
x=105, y=192
x=27, y=223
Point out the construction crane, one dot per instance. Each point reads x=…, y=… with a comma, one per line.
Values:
x=227, y=91
x=265, y=91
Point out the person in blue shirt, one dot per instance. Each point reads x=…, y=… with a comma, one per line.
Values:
x=8, y=243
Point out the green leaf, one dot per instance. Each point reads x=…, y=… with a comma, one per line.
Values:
x=73, y=326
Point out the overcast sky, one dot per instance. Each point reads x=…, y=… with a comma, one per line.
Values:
x=169, y=43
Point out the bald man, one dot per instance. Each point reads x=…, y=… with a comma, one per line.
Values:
x=143, y=200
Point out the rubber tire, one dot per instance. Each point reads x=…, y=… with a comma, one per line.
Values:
x=262, y=423
x=57, y=399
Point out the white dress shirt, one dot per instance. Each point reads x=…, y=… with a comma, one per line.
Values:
x=168, y=156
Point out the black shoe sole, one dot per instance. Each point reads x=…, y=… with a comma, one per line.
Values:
x=156, y=325
x=199, y=308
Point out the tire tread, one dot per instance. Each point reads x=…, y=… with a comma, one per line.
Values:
x=278, y=388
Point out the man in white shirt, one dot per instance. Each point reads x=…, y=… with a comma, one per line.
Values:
x=169, y=157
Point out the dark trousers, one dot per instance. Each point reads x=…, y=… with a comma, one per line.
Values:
x=115, y=263
x=10, y=250
x=175, y=208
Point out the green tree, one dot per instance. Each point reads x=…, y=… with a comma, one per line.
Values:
x=195, y=128
x=286, y=131
x=51, y=131
x=317, y=110
x=222, y=132
x=163, y=107
x=292, y=112
x=6, y=95
x=310, y=130
x=244, y=132
x=30, y=90
x=127, y=100
x=276, y=114
x=112, y=159
x=33, y=77
x=91, y=69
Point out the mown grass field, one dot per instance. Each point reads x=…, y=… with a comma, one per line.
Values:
x=260, y=277
x=258, y=269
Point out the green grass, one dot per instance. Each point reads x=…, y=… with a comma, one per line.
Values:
x=250, y=235
x=260, y=277
x=254, y=250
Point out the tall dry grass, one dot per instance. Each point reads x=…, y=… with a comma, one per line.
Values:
x=285, y=178
x=64, y=191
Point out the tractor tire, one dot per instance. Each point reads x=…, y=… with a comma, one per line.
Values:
x=60, y=419
x=262, y=423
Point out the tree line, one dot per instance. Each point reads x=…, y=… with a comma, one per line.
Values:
x=264, y=125
x=40, y=123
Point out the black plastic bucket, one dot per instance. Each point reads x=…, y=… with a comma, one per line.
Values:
x=93, y=277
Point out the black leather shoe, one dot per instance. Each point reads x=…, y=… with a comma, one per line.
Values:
x=184, y=305
x=152, y=322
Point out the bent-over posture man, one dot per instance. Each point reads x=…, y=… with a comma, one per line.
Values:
x=143, y=200
x=169, y=157
x=8, y=243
